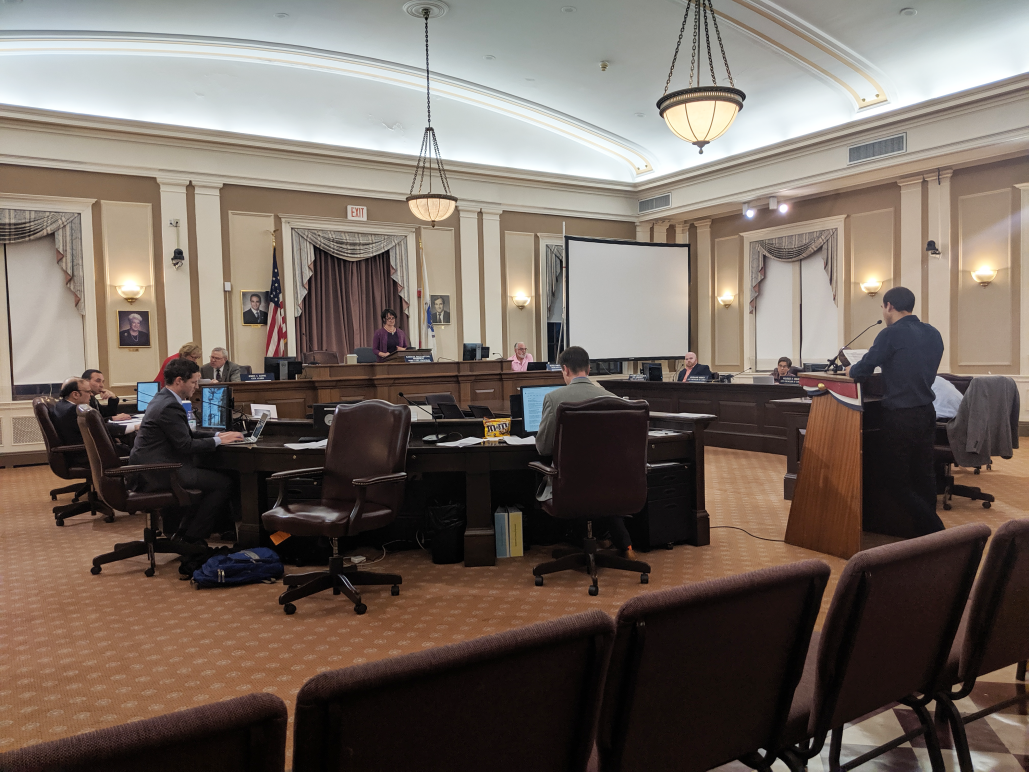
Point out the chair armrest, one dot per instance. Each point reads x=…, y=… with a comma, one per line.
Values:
x=69, y=449
x=139, y=469
x=539, y=466
x=362, y=482
x=313, y=471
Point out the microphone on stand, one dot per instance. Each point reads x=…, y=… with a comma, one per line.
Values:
x=727, y=378
x=834, y=363
x=428, y=438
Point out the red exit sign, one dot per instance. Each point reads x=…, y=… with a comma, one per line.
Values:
x=357, y=213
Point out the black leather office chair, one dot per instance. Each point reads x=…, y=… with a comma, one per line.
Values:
x=320, y=358
x=365, y=355
x=599, y=470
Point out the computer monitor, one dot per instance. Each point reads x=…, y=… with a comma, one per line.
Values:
x=532, y=406
x=283, y=368
x=474, y=352
x=215, y=407
x=535, y=366
x=145, y=391
x=653, y=371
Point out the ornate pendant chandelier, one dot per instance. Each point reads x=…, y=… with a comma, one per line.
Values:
x=701, y=114
x=427, y=204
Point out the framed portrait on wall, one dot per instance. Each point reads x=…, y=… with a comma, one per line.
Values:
x=439, y=306
x=255, y=307
x=133, y=329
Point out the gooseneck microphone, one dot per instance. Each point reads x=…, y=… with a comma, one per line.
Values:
x=727, y=377
x=834, y=363
x=428, y=438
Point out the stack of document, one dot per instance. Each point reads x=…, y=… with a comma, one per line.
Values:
x=512, y=440
x=465, y=442
x=319, y=445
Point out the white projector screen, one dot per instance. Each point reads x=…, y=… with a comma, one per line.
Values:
x=627, y=299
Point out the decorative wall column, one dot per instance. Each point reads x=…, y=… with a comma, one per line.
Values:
x=493, y=301
x=682, y=233
x=705, y=292
x=937, y=304
x=209, y=265
x=643, y=231
x=469, y=219
x=911, y=244
x=1023, y=332
x=660, y=232
x=178, y=300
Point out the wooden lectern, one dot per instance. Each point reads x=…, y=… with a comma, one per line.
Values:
x=400, y=356
x=829, y=499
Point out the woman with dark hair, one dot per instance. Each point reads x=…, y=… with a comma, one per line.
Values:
x=388, y=338
x=783, y=368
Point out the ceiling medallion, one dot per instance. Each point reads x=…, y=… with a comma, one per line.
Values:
x=427, y=204
x=701, y=114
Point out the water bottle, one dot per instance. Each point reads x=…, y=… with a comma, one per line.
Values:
x=189, y=415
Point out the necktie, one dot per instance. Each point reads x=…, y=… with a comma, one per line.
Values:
x=218, y=374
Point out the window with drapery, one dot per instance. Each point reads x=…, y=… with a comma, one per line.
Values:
x=43, y=284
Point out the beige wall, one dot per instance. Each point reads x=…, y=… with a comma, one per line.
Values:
x=728, y=329
x=441, y=265
x=521, y=324
x=871, y=238
x=250, y=269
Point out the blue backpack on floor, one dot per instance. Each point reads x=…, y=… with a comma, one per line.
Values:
x=247, y=567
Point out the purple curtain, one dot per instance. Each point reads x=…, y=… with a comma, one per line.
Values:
x=344, y=304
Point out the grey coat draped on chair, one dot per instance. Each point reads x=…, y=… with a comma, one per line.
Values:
x=987, y=422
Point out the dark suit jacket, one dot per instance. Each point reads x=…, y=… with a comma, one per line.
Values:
x=698, y=369
x=106, y=410
x=441, y=318
x=579, y=390
x=249, y=317
x=164, y=437
x=230, y=371
x=125, y=339
x=67, y=426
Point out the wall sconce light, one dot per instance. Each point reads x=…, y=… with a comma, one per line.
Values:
x=726, y=299
x=521, y=300
x=871, y=287
x=130, y=292
x=984, y=276
x=931, y=248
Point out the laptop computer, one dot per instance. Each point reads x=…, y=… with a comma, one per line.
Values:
x=256, y=434
x=535, y=366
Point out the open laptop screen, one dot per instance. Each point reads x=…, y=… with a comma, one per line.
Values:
x=532, y=406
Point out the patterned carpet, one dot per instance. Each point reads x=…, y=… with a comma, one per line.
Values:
x=78, y=652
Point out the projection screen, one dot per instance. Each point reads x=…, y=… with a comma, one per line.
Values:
x=627, y=299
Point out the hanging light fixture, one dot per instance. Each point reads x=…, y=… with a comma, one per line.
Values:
x=701, y=114
x=427, y=204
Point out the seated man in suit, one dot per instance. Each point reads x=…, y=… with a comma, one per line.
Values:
x=75, y=392
x=691, y=368
x=109, y=407
x=220, y=368
x=575, y=369
x=165, y=437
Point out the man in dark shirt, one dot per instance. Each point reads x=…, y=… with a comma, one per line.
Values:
x=909, y=352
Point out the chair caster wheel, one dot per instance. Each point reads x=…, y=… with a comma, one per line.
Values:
x=594, y=590
x=290, y=609
x=644, y=578
x=53, y=497
x=360, y=608
x=947, y=507
x=539, y=581
x=986, y=505
x=394, y=590
x=149, y=572
x=976, y=471
x=95, y=570
x=59, y=523
x=669, y=546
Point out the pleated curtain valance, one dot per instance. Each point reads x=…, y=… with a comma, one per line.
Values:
x=347, y=246
x=790, y=249
x=24, y=225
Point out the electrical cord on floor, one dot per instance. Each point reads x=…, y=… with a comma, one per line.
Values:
x=735, y=528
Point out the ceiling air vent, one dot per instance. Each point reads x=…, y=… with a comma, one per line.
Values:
x=657, y=202
x=878, y=149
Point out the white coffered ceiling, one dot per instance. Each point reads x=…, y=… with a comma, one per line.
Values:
x=347, y=73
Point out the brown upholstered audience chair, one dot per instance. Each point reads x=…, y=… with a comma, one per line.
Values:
x=704, y=674
x=320, y=358
x=599, y=470
x=994, y=631
x=526, y=699
x=110, y=480
x=244, y=734
x=69, y=463
x=886, y=638
x=362, y=489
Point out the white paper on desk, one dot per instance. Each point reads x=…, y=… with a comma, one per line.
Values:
x=512, y=440
x=464, y=442
x=320, y=445
x=662, y=432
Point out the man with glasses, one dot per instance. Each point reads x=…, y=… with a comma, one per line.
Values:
x=522, y=357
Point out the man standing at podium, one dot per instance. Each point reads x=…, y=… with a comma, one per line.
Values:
x=909, y=352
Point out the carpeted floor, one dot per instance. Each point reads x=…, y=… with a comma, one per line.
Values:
x=79, y=652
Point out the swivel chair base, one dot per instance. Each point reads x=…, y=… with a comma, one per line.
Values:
x=590, y=558
x=91, y=504
x=342, y=580
x=152, y=544
x=949, y=490
x=79, y=489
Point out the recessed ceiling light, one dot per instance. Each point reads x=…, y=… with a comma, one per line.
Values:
x=567, y=9
x=908, y=11
x=282, y=16
x=489, y=57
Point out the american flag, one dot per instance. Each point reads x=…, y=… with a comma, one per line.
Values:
x=276, y=345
